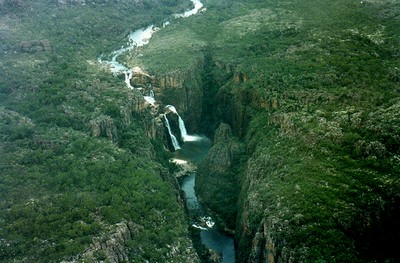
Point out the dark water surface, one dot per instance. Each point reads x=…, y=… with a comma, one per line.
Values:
x=195, y=151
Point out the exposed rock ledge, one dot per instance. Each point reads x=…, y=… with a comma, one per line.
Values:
x=185, y=167
x=113, y=249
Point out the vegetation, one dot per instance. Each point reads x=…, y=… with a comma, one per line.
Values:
x=312, y=89
x=76, y=162
x=309, y=88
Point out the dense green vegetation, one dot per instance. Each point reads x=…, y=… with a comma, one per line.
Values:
x=309, y=88
x=312, y=89
x=77, y=166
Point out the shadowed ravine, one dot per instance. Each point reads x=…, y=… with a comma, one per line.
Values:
x=194, y=151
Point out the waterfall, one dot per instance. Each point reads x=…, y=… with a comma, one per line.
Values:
x=174, y=141
x=182, y=128
x=128, y=76
x=184, y=135
x=140, y=38
x=171, y=109
x=150, y=99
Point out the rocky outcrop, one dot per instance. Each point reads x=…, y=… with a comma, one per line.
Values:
x=240, y=77
x=217, y=173
x=104, y=126
x=184, y=90
x=222, y=154
x=114, y=248
x=233, y=109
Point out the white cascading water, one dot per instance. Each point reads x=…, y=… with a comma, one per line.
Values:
x=140, y=38
x=171, y=109
x=174, y=141
x=182, y=128
x=184, y=135
x=128, y=76
x=150, y=99
x=197, y=6
x=209, y=236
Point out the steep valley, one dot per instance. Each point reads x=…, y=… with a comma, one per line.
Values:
x=310, y=92
x=300, y=98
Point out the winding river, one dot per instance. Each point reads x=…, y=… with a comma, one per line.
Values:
x=193, y=150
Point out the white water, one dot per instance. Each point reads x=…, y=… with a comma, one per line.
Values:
x=209, y=235
x=182, y=128
x=197, y=6
x=150, y=99
x=184, y=135
x=195, y=152
x=140, y=38
x=128, y=77
x=174, y=141
x=171, y=108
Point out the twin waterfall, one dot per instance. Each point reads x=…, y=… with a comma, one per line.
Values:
x=182, y=128
x=140, y=38
x=195, y=148
x=173, y=138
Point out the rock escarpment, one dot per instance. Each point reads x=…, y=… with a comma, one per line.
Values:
x=183, y=90
x=317, y=177
x=217, y=182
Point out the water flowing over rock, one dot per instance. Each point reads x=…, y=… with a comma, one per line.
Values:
x=181, y=124
x=197, y=6
x=183, y=90
x=174, y=141
x=182, y=128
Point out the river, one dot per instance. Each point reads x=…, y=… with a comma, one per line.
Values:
x=194, y=151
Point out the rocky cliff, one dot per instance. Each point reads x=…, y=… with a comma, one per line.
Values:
x=317, y=178
x=217, y=178
x=183, y=90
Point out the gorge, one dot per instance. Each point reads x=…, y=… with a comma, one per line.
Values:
x=194, y=147
x=300, y=100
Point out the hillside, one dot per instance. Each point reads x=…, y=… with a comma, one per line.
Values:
x=310, y=90
x=81, y=159
x=301, y=98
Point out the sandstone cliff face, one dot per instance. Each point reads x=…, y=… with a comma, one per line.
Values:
x=184, y=90
x=222, y=154
x=114, y=246
x=233, y=109
x=284, y=203
x=217, y=175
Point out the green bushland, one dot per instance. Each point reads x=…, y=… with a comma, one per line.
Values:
x=312, y=90
x=75, y=157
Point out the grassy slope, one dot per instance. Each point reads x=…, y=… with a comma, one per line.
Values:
x=59, y=186
x=321, y=91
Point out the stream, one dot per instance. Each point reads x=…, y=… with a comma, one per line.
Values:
x=195, y=151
